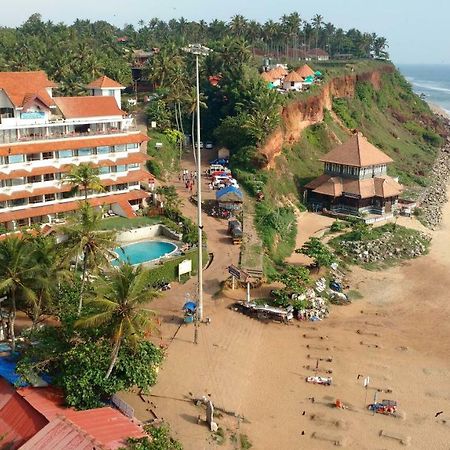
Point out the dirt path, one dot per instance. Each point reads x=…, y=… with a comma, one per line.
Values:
x=398, y=335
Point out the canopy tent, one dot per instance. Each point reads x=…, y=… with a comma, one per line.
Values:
x=309, y=79
x=318, y=73
x=230, y=198
x=229, y=194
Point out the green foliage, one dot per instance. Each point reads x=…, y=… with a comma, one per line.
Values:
x=318, y=251
x=277, y=228
x=340, y=107
x=337, y=226
x=160, y=439
x=163, y=160
x=158, y=112
x=123, y=223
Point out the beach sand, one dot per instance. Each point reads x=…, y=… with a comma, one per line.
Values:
x=398, y=335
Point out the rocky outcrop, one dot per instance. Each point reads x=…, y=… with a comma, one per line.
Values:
x=299, y=114
x=435, y=195
x=387, y=248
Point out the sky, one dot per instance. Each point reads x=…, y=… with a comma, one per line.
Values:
x=416, y=29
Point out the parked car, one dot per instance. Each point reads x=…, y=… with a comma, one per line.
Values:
x=326, y=381
x=209, y=145
x=220, y=161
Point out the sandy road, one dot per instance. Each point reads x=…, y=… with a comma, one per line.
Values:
x=398, y=335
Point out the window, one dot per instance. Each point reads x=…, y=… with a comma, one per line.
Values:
x=34, y=157
x=15, y=182
x=104, y=150
x=122, y=168
x=133, y=166
x=50, y=197
x=2, y=205
x=103, y=170
x=15, y=159
x=48, y=155
x=84, y=152
x=132, y=146
x=111, y=92
x=49, y=177
x=68, y=194
x=65, y=154
x=18, y=202
x=133, y=183
x=35, y=199
x=34, y=179
x=120, y=148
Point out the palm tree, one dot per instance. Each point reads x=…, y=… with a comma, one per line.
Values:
x=317, y=21
x=84, y=177
x=84, y=237
x=191, y=102
x=17, y=269
x=119, y=305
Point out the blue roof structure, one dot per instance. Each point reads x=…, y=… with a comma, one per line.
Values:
x=8, y=371
x=229, y=194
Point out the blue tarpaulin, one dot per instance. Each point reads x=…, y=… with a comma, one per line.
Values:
x=229, y=194
x=190, y=306
x=8, y=371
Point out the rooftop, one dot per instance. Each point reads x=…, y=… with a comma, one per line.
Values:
x=79, y=107
x=104, y=82
x=304, y=71
x=21, y=86
x=357, y=152
x=293, y=77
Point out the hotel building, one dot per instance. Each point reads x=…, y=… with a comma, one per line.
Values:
x=43, y=136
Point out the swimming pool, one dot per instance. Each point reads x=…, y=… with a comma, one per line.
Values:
x=142, y=252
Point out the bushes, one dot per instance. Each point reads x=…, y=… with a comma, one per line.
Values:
x=340, y=107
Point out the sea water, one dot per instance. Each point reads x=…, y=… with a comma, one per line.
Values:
x=433, y=81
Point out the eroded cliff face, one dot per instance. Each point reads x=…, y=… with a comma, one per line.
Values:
x=300, y=114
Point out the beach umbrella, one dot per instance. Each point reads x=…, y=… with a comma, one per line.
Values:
x=190, y=306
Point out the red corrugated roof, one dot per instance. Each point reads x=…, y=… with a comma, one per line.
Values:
x=19, y=421
x=70, y=144
x=61, y=434
x=104, y=82
x=106, y=426
x=75, y=107
x=21, y=85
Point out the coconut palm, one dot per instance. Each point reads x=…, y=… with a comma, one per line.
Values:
x=118, y=302
x=85, y=238
x=17, y=270
x=317, y=22
x=84, y=177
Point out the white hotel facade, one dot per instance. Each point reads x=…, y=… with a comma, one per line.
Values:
x=43, y=136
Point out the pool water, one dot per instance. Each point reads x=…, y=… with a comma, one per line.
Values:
x=142, y=252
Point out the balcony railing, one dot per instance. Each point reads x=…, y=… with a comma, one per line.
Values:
x=10, y=139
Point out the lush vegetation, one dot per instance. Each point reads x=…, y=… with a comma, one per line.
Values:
x=160, y=439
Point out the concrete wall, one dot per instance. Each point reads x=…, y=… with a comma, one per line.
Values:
x=150, y=232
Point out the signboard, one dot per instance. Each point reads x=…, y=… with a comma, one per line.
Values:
x=32, y=115
x=238, y=273
x=184, y=267
x=153, y=124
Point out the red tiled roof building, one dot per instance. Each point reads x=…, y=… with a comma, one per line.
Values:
x=42, y=137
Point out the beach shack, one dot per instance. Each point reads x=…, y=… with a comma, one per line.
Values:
x=230, y=198
x=354, y=181
x=305, y=71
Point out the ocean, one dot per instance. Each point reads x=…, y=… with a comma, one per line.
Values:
x=431, y=80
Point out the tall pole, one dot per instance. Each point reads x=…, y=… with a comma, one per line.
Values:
x=199, y=203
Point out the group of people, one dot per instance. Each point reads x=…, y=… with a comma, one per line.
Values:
x=188, y=179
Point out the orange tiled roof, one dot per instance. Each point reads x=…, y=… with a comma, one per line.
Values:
x=20, y=86
x=131, y=159
x=357, y=152
x=104, y=82
x=304, y=71
x=88, y=106
x=70, y=144
x=69, y=206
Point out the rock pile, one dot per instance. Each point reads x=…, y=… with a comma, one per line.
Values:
x=435, y=195
x=388, y=247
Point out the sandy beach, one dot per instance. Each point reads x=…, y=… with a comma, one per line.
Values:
x=398, y=335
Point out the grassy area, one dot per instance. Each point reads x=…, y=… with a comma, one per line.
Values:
x=123, y=223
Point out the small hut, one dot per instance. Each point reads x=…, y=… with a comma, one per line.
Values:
x=293, y=82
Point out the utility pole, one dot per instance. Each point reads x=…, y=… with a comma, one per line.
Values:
x=199, y=50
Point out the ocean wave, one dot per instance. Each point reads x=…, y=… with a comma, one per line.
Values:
x=431, y=87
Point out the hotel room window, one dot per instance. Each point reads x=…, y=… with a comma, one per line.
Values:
x=104, y=150
x=104, y=170
x=122, y=168
x=65, y=154
x=15, y=159
x=133, y=166
x=49, y=177
x=120, y=148
x=84, y=152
